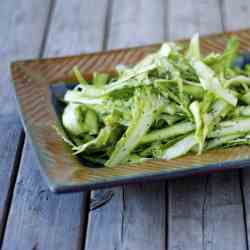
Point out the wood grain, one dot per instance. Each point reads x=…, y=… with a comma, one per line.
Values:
x=133, y=219
x=39, y=219
x=136, y=214
x=185, y=18
x=222, y=213
x=205, y=212
x=33, y=82
x=235, y=14
x=240, y=12
x=21, y=37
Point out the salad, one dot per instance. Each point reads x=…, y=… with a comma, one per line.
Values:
x=173, y=102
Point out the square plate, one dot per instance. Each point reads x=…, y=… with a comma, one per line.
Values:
x=35, y=85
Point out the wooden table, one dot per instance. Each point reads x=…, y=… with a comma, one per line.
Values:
x=202, y=212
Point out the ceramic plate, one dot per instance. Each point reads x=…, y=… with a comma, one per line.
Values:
x=40, y=83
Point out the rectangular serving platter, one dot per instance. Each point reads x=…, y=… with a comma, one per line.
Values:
x=35, y=82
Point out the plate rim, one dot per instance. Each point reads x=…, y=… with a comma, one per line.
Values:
x=20, y=70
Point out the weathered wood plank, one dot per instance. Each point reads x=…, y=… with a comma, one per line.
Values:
x=21, y=36
x=205, y=212
x=39, y=219
x=135, y=216
x=236, y=16
x=223, y=213
x=76, y=27
x=136, y=23
x=133, y=219
x=245, y=178
x=184, y=18
x=185, y=205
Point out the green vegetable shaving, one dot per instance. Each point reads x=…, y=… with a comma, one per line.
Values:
x=171, y=103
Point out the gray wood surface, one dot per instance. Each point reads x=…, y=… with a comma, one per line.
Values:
x=135, y=218
x=205, y=212
x=199, y=212
x=240, y=11
x=21, y=37
x=235, y=14
x=184, y=18
x=39, y=219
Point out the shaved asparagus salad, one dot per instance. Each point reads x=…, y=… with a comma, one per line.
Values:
x=171, y=103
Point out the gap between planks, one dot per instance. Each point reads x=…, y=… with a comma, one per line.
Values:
x=33, y=239
x=20, y=147
x=13, y=178
x=131, y=202
x=202, y=215
x=86, y=210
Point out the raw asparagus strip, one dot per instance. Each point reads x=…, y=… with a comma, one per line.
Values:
x=231, y=127
x=172, y=102
x=165, y=133
x=180, y=148
x=144, y=117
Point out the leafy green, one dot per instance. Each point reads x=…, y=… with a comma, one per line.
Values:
x=240, y=125
x=79, y=76
x=168, y=132
x=74, y=96
x=173, y=102
x=99, y=141
x=194, y=48
x=100, y=79
x=245, y=98
x=244, y=111
x=180, y=148
x=210, y=82
x=146, y=108
x=91, y=122
x=216, y=142
x=221, y=63
x=196, y=111
x=73, y=119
